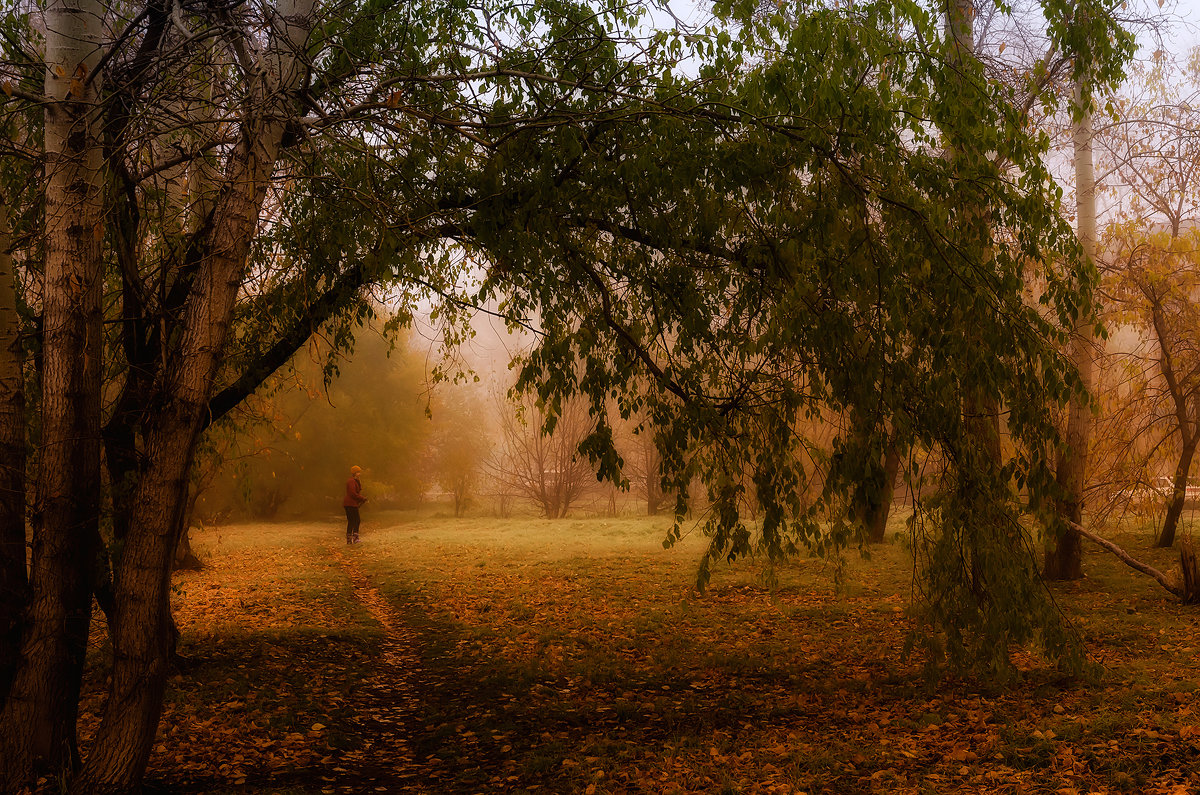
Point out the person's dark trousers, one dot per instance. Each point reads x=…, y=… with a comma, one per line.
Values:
x=352, y=523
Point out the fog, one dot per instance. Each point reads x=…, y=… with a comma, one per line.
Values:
x=461, y=444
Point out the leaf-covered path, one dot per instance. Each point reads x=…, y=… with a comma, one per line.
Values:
x=387, y=705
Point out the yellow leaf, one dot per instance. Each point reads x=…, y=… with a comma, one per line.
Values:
x=1002, y=46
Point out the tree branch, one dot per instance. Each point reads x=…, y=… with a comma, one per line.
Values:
x=325, y=307
x=1128, y=559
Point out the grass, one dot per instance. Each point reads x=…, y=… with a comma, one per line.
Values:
x=575, y=656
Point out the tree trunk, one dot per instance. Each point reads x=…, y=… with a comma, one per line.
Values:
x=37, y=727
x=881, y=502
x=185, y=558
x=1190, y=573
x=13, y=577
x=1064, y=559
x=143, y=639
x=1166, y=536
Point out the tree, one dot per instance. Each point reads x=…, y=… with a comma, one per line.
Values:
x=1155, y=280
x=751, y=310
x=1063, y=559
x=1152, y=156
x=289, y=447
x=219, y=275
x=460, y=445
x=878, y=503
x=38, y=719
x=644, y=464
x=264, y=166
x=538, y=455
x=13, y=580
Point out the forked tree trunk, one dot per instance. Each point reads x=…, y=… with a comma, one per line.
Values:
x=1064, y=553
x=13, y=578
x=143, y=639
x=37, y=727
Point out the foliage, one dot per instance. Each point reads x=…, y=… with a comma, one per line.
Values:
x=772, y=235
x=839, y=275
x=1151, y=276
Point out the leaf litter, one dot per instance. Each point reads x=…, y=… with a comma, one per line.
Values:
x=310, y=669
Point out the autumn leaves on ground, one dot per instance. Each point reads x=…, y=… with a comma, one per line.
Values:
x=485, y=655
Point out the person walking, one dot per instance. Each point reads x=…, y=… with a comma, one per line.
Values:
x=354, y=498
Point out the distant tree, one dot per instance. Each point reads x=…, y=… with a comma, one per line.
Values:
x=1151, y=151
x=290, y=448
x=538, y=458
x=643, y=463
x=460, y=442
x=1155, y=280
x=635, y=439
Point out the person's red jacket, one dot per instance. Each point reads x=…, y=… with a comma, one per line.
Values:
x=354, y=496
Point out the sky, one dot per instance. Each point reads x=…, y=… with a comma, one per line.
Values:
x=1187, y=34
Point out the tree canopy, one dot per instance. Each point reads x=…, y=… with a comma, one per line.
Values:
x=827, y=210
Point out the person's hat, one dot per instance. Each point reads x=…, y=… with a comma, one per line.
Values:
x=355, y=470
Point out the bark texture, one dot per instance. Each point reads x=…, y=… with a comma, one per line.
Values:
x=880, y=506
x=1191, y=439
x=37, y=727
x=143, y=637
x=13, y=576
x=1064, y=553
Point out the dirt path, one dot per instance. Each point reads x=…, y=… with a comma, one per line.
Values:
x=390, y=710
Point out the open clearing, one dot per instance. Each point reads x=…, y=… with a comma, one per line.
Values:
x=524, y=655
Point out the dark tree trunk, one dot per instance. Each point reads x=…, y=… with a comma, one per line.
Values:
x=1190, y=584
x=185, y=558
x=880, y=506
x=1166, y=536
x=1064, y=553
x=1064, y=559
x=13, y=578
x=144, y=638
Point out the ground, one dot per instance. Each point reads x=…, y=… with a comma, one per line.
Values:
x=524, y=655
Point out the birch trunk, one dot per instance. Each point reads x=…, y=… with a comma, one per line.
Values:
x=1063, y=559
x=37, y=727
